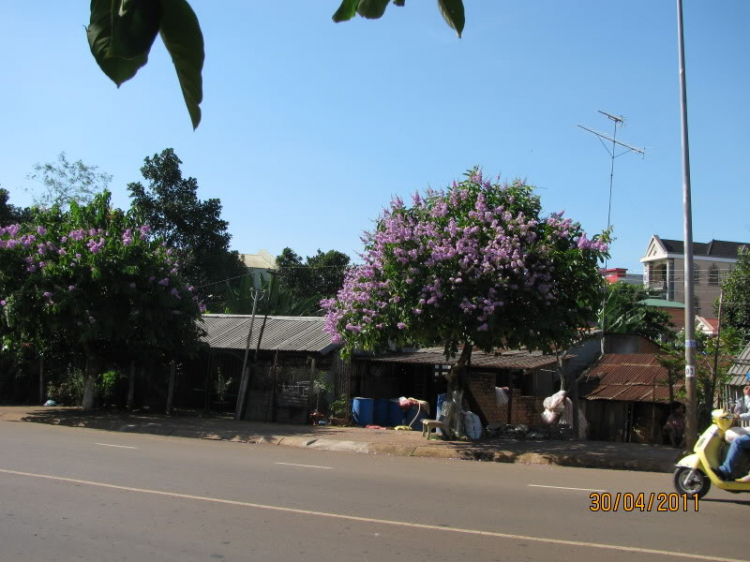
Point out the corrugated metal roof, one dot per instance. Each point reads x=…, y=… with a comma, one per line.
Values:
x=283, y=333
x=479, y=359
x=637, y=393
x=738, y=372
x=628, y=377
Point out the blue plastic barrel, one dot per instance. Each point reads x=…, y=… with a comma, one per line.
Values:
x=395, y=413
x=362, y=408
x=413, y=419
x=382, y=407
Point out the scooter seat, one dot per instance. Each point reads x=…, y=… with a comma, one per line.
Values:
x=734, y=432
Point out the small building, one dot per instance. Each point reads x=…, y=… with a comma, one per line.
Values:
x=258, y=265
x=621, y=275
x=292, y=352
x=628, y=398
x=419, y=374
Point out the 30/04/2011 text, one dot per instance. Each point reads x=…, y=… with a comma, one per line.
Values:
x=643, y=502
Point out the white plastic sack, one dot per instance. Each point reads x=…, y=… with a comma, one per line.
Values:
x=556, y=402
x=567, y=413
x=472, y=425
x=501, y=397
x=549, y=417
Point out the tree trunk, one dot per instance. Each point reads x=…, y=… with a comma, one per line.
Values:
x=89, y=384
x=131, y=387
x=457, y=381
x=170, y=392
x=41, y=380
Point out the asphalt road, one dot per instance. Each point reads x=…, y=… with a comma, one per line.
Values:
x=77, y=494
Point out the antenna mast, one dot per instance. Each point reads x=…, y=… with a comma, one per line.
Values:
x=618, y=120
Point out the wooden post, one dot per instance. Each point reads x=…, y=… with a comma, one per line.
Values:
x=275, y=382
x=244, y=380
x=207, y=384
x=715, y=371
x=170, y=392
x=131, y=386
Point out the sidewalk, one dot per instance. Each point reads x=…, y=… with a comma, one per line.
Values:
x=585, y=454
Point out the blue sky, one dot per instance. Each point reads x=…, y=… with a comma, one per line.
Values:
x=309, y=127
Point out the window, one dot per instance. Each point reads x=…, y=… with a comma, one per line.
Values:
x=696, y=274
x=713, y=275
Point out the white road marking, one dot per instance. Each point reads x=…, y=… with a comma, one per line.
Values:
x=118, y=446
x=564, y=488
x=308, y=512
x=304, y=465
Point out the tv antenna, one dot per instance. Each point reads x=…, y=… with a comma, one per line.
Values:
x=619, y=121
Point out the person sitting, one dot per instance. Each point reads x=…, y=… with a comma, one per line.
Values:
x=674, y=428
x=738, y=446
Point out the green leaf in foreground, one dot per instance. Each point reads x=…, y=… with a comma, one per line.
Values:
x=453, y=13
x=134, y=28
x=346, y=11
x=183, y=38
x=372, y=9
x=99, y=34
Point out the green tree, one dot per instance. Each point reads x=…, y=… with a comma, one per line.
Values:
x=714, y=357
x=10, y=214
x=94, y=276
x=474, y=265
x=318, y=277
x=275, y=299
x=625, y=312
x=122, y=32
x=736, y=289
x=169, y=204
x=65, y=182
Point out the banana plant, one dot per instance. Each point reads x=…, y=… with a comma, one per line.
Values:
x=122, y=32
x=451, y=10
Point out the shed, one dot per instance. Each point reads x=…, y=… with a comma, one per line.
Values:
x=293, y=351
x=628, y=398
x=417, y=373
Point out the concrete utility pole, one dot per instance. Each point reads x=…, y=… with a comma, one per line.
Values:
x=691, y=426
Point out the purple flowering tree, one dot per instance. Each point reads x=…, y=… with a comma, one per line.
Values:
x=475, y=265
x=95, y=277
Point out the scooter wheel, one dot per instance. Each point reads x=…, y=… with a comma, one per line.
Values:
x=699, y=484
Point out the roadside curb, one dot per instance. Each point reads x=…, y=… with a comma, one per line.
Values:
x=584, y=459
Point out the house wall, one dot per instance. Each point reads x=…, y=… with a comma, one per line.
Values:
x=521, y=409
x=623, y=343
x=673, y=284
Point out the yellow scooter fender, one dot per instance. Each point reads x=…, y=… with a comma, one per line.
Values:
x=691, y=461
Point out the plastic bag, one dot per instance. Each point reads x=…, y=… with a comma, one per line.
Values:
x=472, y=425
x=549, y=417
x=567, y=413
x=501, y=396
x=556, y=402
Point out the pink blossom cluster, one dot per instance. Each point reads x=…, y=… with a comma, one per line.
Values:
x=77, y=240
x=464, y=252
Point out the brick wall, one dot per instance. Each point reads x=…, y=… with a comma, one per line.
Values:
x=524, y=409
x=482, y=386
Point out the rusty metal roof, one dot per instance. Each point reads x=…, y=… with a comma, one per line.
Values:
x=628, y=377
x=738, y=372
x=283, y=333
x=434, y=356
